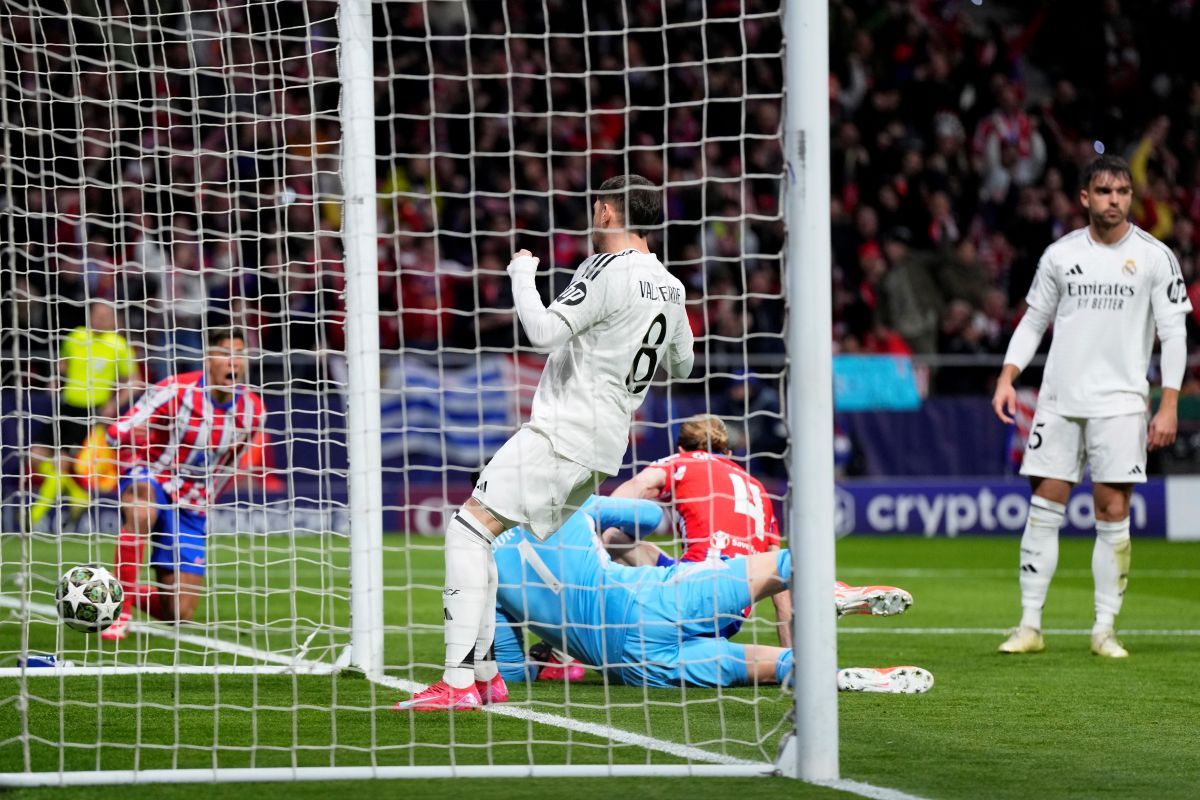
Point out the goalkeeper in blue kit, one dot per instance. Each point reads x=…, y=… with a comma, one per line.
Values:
x=646, y=626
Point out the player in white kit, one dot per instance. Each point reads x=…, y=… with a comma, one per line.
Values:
x=621, y=316
x=1106, y=288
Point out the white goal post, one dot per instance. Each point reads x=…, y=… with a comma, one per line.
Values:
x=343, y=181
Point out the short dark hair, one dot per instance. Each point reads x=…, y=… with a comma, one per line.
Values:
x=1113, y=165
x=636, y=200
x=218, y=335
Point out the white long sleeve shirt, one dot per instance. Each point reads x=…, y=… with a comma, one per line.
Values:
x=626, y=316
x=1105, y=301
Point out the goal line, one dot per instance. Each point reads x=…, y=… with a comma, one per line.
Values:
x=284, y=664
x=278, y=663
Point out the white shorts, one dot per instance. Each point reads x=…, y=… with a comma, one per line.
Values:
x=529, y=484
x=1114, y=447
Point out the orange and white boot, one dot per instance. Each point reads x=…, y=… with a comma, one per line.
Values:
x=878, y=601
x=889, y=680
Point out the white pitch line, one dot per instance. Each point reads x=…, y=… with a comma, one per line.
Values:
x=59, y=671
x=990, y=631
x=209, y=642
x=593, y=729
x=867, y=790
x=687, y=752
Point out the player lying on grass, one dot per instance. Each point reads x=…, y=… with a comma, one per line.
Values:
x=645, y=626
x=178, y=446
x=723, y=512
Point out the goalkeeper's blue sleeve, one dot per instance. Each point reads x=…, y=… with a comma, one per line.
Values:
x=635, y=517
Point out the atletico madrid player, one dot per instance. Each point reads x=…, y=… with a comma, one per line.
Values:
x=178, y=447
x=723, y=510
x=726, y=512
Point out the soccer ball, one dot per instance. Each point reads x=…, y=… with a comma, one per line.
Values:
x=89, y=599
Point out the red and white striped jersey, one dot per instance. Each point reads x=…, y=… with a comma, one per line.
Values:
x=187, y=441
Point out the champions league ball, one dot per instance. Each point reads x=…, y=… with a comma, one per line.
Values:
x=89, y=599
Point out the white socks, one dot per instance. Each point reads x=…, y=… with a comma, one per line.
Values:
x=1039, y=557
x=485, y=651
x=1110, y=569
x=470, y=582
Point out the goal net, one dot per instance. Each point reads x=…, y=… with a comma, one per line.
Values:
x=177, y=167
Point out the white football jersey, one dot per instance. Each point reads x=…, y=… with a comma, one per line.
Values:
x=626, y=316
x=1105, y=301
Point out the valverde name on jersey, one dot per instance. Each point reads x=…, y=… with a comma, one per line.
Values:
x=663, y=292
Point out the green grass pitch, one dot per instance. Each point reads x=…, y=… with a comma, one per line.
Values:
x=1061, y=724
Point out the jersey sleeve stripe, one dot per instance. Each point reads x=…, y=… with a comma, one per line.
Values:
x=250, y=414
x=1171, y=260
x=146, y=408
x=599, y=266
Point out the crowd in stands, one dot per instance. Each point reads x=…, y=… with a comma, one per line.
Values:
x=959, y=131
x=202, y=186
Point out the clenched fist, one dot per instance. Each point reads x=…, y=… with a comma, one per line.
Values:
x=523, y=263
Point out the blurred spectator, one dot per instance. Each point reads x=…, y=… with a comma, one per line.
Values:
x=757, y=402
x=957, y=134
x=961, y=334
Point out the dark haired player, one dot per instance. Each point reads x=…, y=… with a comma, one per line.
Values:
x=1106, y=288
x=178, y=446
x=621, y=316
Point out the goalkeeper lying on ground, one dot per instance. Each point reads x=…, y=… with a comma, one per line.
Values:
x=647, y=626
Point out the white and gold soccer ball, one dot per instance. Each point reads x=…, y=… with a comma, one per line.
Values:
x=89, y=599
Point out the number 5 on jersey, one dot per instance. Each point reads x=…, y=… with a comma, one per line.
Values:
x=1035, y=435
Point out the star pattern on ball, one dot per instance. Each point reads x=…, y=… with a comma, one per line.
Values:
x=75, y=595
x=109, y=608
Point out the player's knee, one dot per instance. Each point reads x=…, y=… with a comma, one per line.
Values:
x=1052, y=489
x=615, y=537
x=477, y=512
x=178, y=599
x=1112, y=510
x=1112, y=501
x=185, y=607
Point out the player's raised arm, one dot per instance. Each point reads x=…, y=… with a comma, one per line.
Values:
x=1042, y=302
x=1170, y=304
x=145, y=423
x=545, y=329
